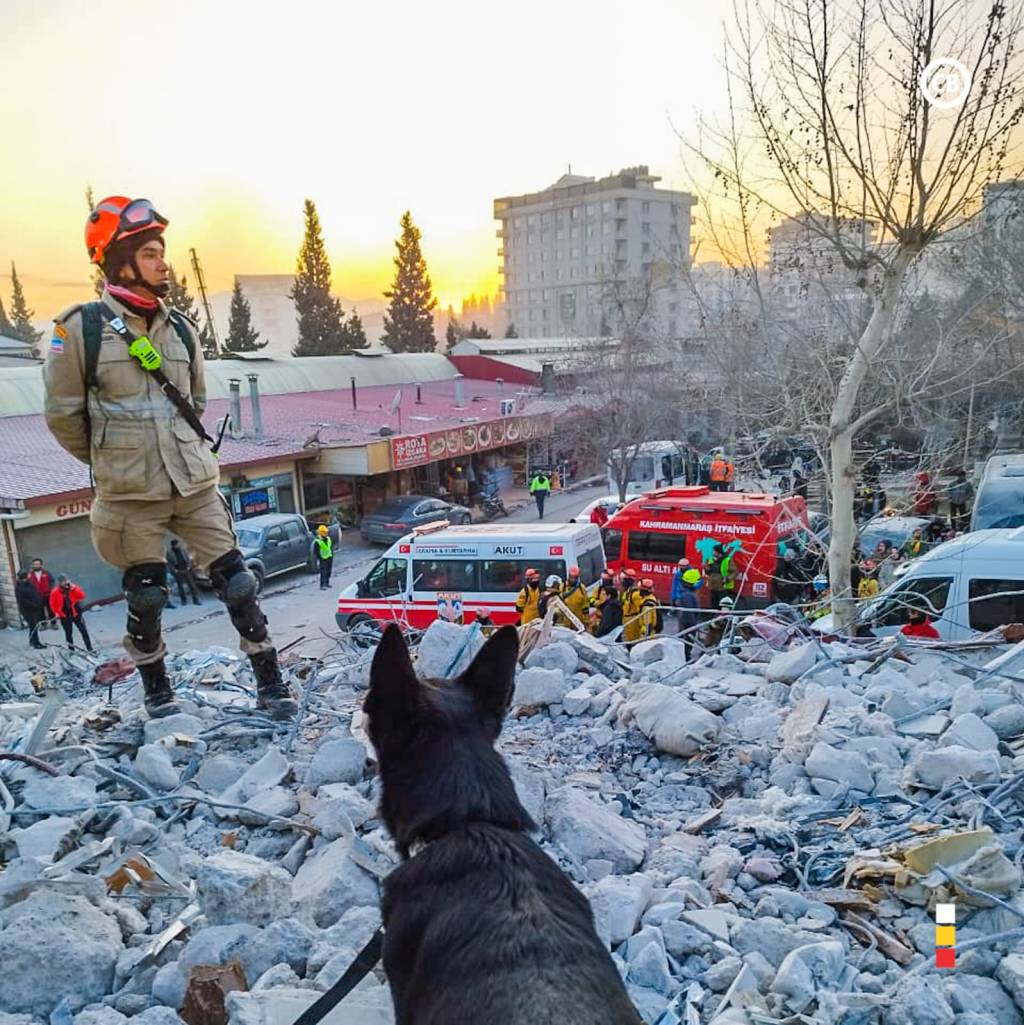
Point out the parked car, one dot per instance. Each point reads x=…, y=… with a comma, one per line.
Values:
x=274, y=543
x=397, y=516
x=1000, y=499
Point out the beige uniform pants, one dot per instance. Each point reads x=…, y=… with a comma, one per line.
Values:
x=132, y=532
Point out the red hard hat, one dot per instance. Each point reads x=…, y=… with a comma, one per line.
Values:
x=574, y=571
x=532, y=574
x=630, y=572
x=116, y=218
x=647, y=584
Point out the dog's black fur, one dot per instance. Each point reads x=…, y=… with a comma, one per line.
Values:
x=480, y=924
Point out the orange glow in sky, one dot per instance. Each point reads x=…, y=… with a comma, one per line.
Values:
x=228, y=113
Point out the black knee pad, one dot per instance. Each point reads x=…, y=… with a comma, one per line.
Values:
x=145, y=591
x=237, y=588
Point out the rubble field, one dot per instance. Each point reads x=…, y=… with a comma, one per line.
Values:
x=764, y=834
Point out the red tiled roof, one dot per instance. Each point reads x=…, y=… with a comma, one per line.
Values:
x=33, y=466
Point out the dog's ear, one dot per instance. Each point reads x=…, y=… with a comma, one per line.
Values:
x=491, y=676
x=394, y=687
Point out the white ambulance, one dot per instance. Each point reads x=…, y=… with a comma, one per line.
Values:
x=457, y=573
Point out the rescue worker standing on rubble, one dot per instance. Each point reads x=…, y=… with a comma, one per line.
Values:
x=576, y=596
x=631, y=626
x=649, y=614
x=528, y=601
x=125, y=388
x=552, y=589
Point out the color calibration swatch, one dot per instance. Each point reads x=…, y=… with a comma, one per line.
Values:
x=945, y=936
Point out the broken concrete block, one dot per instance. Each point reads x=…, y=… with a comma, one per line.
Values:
x=273, y=803
x=933, y=768
x=789, y=666
x=329, y=883
x=99, y=1015
x=357, y=807
x=806, y=970
x=59, y=792
x=966, y=992
x=529, y=788
x=337, y=761
x=56, y=946
x=588, y=830
x=675, y=724
x=43, y=839
x=368, y=1004
x=236, y=887
x=267, y=772
x=446, y=649
x=711, y=920
x=969, y=731
x=558, y=655
x=540, y=687
x=1007, y=722
x=1011, y=974
x=919, y=1001
x=847, y=767
x=659, y=649
x=683, y=939
x=648, y=963
x=577, y=701
x=617, y=903
x=153, y=765
x=184, y=724
x=156, y=1016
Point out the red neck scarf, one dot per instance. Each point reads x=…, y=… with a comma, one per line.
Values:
x=130, y=298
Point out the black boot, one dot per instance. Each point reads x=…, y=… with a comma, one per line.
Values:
x=159, y=692
x=271, y=693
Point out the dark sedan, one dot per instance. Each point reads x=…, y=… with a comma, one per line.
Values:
x=397, y=516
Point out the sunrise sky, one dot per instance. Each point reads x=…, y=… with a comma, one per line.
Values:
x=226, y=114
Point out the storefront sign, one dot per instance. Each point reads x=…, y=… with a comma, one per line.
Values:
x=254, y=502
x=417, y=449
x=78, y=507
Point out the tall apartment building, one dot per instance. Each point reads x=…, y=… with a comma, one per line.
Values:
x=571, y=252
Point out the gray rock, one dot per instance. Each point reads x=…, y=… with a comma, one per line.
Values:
x=99, y=1014
x=357, y=807
x=368, y=1004
x=332, y=820
x=348, y=935
x=806, y=970
x=967, y=992
x=60, y=792
x=337, y=761
x=933, y=768
x=153, y=765
x=683, y=939
x=269, y=771
x=529, y=788
x=272, y=803
x=44, y=838
x=286, y=941
x=1011, y=974
x=169, y=985
x=919, y=1001
x=969, y=731
x=329, y=883
x=666, y=911
x=974, y=1018
x=446, y=649
x=847, y=767
x=217, y=771
x=649, y=1003
x=719, y=977
x=56, y=945
x=1007, y=722
x=236, y=887
x=540, y=687
x=182, y=723
x=157, y=1016
x=577, y=701
x=591, y=830
x=617, y=903
x=648, y=966
x=556, y=655
x=773, y=939
x=676, y=725
x=789, y=666
x=660, y=649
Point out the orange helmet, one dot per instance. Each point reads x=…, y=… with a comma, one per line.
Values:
x=533, y=574
x=629, y=572
x=574, y=571
x=116, y=218
x=647, y=584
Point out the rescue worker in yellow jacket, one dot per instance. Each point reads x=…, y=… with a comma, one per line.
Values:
x=576, y=596
x=647, y=609
x=125, y=390
x=631, y=625
x=528, y=602
x=552, y=589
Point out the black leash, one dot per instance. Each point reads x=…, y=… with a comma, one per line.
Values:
x=141, y=349
x=354, y=974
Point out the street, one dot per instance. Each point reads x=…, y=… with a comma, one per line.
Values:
x=294, y=605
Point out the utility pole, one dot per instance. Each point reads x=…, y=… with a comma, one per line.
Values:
x=197, y=270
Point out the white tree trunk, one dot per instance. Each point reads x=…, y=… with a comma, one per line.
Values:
x=843, y=426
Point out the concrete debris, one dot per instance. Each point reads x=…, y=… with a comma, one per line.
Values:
x=762, y=835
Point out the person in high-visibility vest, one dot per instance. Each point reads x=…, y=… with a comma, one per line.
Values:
x=323, y=550
x=647, y=607
x=540, y=488
x=722, y=472
x=631, y=626
x=528, y=602
x=576, y=596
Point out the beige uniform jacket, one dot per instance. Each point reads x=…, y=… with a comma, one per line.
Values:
x=140, y=446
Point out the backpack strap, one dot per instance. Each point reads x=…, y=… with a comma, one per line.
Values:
x=92, y=335
x=184, y=328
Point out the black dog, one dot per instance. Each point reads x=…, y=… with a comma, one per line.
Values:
x=480, y=924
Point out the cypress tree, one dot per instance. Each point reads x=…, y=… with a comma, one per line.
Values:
x=242, y=336
x=21, y=315
x=6, y=327
x=321, y=320
x=180, y=299
x=409, y=321
x=451, y=334
x=354, y=331
x=98, y=280
x=510, y=331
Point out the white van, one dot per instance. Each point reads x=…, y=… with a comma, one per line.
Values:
x=656, y=464
x=968, y=585
x=459, y=572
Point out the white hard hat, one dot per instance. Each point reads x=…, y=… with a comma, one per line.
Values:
x=553, y=581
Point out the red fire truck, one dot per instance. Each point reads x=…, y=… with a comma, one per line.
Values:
x=652, y=533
